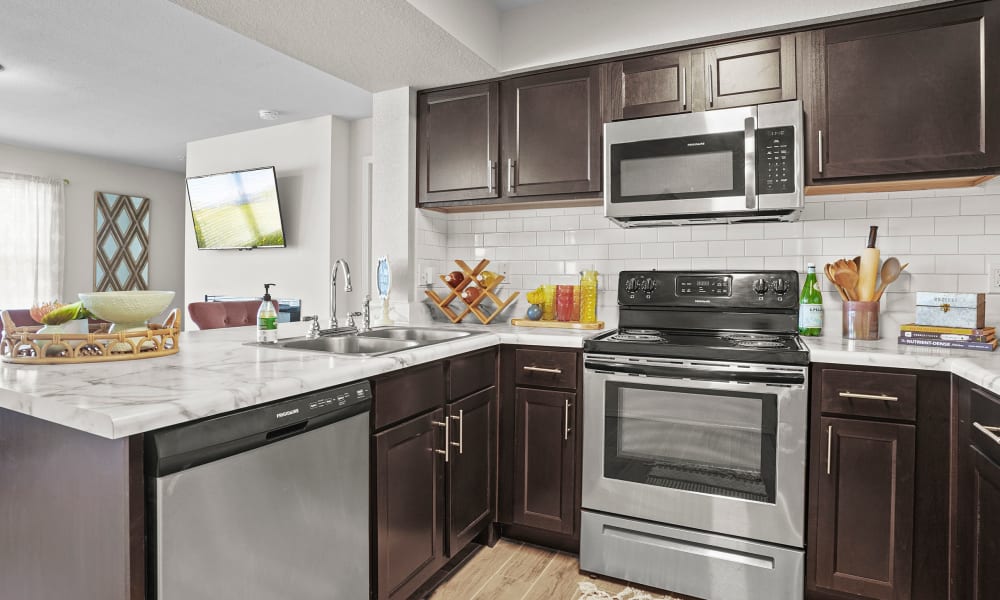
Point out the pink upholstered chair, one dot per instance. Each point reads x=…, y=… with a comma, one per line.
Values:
x=214, y=315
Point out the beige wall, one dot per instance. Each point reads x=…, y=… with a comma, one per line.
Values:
x=87, y=175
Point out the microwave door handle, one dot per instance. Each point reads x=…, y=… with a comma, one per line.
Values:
x=750, y=162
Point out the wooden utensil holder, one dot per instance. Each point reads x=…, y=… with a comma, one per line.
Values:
x=471, y=306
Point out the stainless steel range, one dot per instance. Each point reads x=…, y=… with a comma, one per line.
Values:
x=695, y=415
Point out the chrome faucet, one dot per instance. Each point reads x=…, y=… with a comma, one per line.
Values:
x=333, y=289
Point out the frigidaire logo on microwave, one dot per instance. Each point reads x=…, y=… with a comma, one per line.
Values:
x=696, y=144
x=287, y=413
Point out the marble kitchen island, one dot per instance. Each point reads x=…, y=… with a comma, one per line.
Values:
x=72, y=488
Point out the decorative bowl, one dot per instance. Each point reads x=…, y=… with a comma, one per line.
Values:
x=127, y=310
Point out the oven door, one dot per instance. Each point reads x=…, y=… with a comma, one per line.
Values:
x=682, y=165
x=715, y=447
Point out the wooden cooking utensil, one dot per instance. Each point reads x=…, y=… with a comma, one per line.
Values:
x=890, y=273
x=848, y=280
x=868, y=270
x=828, y=269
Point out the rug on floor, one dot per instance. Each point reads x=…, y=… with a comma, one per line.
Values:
x=590, y=591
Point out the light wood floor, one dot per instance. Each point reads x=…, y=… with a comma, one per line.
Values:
x=515, y=571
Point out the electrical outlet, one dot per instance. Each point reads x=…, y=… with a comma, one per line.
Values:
x=994, y=272
x=501, y=269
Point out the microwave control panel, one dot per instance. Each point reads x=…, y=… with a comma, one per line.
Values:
x=776, y=160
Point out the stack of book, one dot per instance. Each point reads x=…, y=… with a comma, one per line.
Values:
x=983, y=338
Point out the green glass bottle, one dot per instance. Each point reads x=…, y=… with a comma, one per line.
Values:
x=811, y=305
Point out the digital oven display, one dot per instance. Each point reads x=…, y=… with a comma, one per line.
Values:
x=704, y=286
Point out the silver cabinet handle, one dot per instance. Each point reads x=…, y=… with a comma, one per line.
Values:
x=491, y=169
x=868, y=396
x=510, y=175
x=447, y=439
x=461, y=431
x=989, y=431
x=543, y=370
x=684, y=88
x=819, y=139
x=566, y=420
x=829, y=446
x=711, y=86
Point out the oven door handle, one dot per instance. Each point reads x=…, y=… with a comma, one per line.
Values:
x=698, y=374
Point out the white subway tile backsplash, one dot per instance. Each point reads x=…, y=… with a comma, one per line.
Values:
x=708, y=232
x=971, y=225
x=947, y=237
x=691, y=249
x=847, y=209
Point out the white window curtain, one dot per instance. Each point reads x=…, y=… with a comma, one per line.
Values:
x=32, y=237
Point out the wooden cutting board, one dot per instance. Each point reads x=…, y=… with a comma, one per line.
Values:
x=557, y=324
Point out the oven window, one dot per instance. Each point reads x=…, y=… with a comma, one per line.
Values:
x=680, y=174
x=708, y=441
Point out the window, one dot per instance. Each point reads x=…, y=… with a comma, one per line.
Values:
x=32, y=239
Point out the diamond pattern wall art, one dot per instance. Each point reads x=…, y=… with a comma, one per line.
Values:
x=121, y=242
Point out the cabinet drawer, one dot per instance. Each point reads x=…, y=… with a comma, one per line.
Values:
x=471, y=373
x=407, y=394
x=546, y=368
x=869, y=394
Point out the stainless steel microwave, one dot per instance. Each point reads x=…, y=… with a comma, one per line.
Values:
x=721, y=166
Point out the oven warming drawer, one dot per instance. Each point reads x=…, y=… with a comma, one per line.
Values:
x=690, y=562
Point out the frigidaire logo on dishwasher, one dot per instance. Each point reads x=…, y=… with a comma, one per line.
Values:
x=287, y=413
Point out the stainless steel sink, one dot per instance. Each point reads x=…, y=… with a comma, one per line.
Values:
x=375, y=342
x=349, y=344
x=424, y=335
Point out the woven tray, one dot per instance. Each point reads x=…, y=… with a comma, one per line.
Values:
x=25, y=346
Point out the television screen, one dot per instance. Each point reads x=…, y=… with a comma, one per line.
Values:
x=236, y=210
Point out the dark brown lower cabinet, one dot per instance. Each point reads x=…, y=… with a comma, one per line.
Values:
x=409, y=505
x=864, y=533
x=471, y=467
x=545, y=459
x=976, y=551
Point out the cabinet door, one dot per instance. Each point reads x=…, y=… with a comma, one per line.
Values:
x=409, y=504
x=459, y=131
x=544, y=472
x=751, y=72
x=552, y=133
x=650, y=86
x=863, y=540
x=980, y=518
x=905, y=95
x=471, y=468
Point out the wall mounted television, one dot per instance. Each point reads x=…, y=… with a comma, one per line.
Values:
x=236, y=210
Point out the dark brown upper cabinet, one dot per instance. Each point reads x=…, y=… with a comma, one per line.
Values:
x=900, y=96
x=458, y=147
x=751, y=72
x=650, y=86
x=552, y=133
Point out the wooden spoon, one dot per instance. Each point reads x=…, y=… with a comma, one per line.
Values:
x=890, y=273
x=828, y=269
x=848, y=280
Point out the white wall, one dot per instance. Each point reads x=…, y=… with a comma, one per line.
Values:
x=87, y=175
x=394, y=125
x=310, y=158
x=358, y=233
x=556, y=31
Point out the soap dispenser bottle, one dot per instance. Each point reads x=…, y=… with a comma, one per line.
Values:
x=267, y=319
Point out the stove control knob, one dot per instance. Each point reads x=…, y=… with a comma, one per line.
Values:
x=780, y=286
x=760, y=287
x=648, y=285
x=630, y=284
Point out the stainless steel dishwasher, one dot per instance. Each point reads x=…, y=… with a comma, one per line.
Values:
x=266, y=503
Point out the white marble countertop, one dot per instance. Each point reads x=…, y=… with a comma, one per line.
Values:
x=214, y=373
x=979, y=367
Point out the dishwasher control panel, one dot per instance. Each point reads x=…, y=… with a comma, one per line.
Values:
x=340, y=397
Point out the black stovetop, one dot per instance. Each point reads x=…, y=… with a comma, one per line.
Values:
x=741, y=316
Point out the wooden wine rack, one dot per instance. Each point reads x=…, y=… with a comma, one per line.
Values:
x=455, y=291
